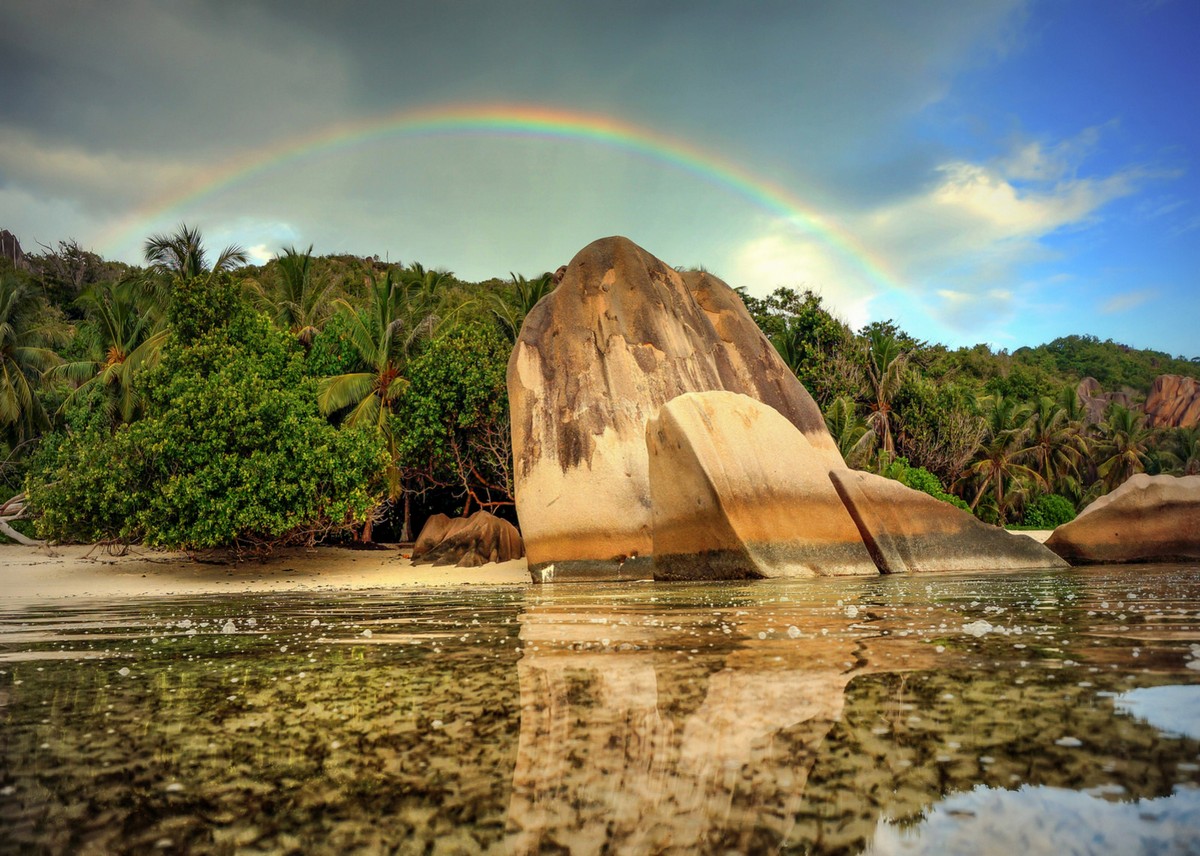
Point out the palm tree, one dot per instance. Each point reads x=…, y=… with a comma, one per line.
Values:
x=298, y=300
x=382, y=334
x=849, y=430
x=1183, y=446
x=1056, y=445
x=886, y=366
x=24, y=357
x=1124, y=446
x=523, y=294
x=129, y=337
x=180, y=257
x=999, y=470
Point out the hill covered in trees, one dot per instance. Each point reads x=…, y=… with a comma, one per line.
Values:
x=199, y=401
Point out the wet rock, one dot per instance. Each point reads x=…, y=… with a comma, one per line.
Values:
x=738, y=492
x=1173, y=402
x=467, y=542
x=622, y=335
x=907, y=531
x=1147, y=519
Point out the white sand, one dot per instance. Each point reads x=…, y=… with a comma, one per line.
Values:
x=1039, y=535
x=47, y=573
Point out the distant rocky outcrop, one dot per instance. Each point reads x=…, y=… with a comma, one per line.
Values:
x=737, y=491
x=1096, y=401
x=1147, y=519
x=656, y=431
x=1173, y=402
x=10, y=249
x=467, y=541
x=621, y=336
x=907, y=531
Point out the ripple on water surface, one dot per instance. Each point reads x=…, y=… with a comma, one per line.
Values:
x=1001, y=713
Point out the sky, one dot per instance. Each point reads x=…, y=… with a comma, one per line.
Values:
x=995, y=171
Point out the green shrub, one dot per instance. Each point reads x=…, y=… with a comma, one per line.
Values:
x=1049, y=511
x=452, y=425
x=919, y=478
x=232, y=449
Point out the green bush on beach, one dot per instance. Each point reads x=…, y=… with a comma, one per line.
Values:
x=232, y=449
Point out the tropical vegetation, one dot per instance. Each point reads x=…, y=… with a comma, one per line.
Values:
x=201, y=401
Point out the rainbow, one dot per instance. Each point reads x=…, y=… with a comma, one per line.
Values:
x=511, y=120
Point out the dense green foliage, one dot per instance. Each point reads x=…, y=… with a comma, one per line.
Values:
x=232, y=449
x=814, y=344
x=1114, y=365
x=202, y=402
x=1049, y=511
x=919, y=478
x=452, y=423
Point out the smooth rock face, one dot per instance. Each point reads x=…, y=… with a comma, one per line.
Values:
x=467, y=541
x=738, y=492
x=907, y=531
x=620, y=336
x=1147, y=519
x=1173, y=402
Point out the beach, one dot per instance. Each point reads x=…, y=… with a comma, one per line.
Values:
x=90, y=571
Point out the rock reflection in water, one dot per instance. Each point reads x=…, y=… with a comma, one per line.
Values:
x=737, y=726
x=797, y=716
x=639, y=736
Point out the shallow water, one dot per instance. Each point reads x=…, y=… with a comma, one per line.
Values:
x=1011, y=714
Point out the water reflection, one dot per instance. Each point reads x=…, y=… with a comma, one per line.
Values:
x=1048, y=820
x=1173, y=709
x=800, y=716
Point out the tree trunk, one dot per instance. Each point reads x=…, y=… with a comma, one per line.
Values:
x=17, y=536
x=406, y=527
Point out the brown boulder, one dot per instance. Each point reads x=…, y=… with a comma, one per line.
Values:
x=907, y=531
x=1147, y=519
x=737, y=492
x=1173, y=402
x=431, y=535
x=622, y=335
x=467, y=541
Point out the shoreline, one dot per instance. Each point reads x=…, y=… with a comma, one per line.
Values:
x=83, y=571
x=87, y=571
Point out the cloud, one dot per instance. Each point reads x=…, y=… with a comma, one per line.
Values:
x=977, y=210
x=94, y=179
x=971, y=311
x=1186, y=226
x=260, y=254
x=1129, y=300
x=1041, y=161
x=782, y=258
x=959, y=244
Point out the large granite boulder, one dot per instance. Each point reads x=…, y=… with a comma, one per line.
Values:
x=1096, y=401
x=738, y=492
x=1147, y=519
x=467, y=542
x=907, y=531
x=622, y=335
x=1173, y=402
